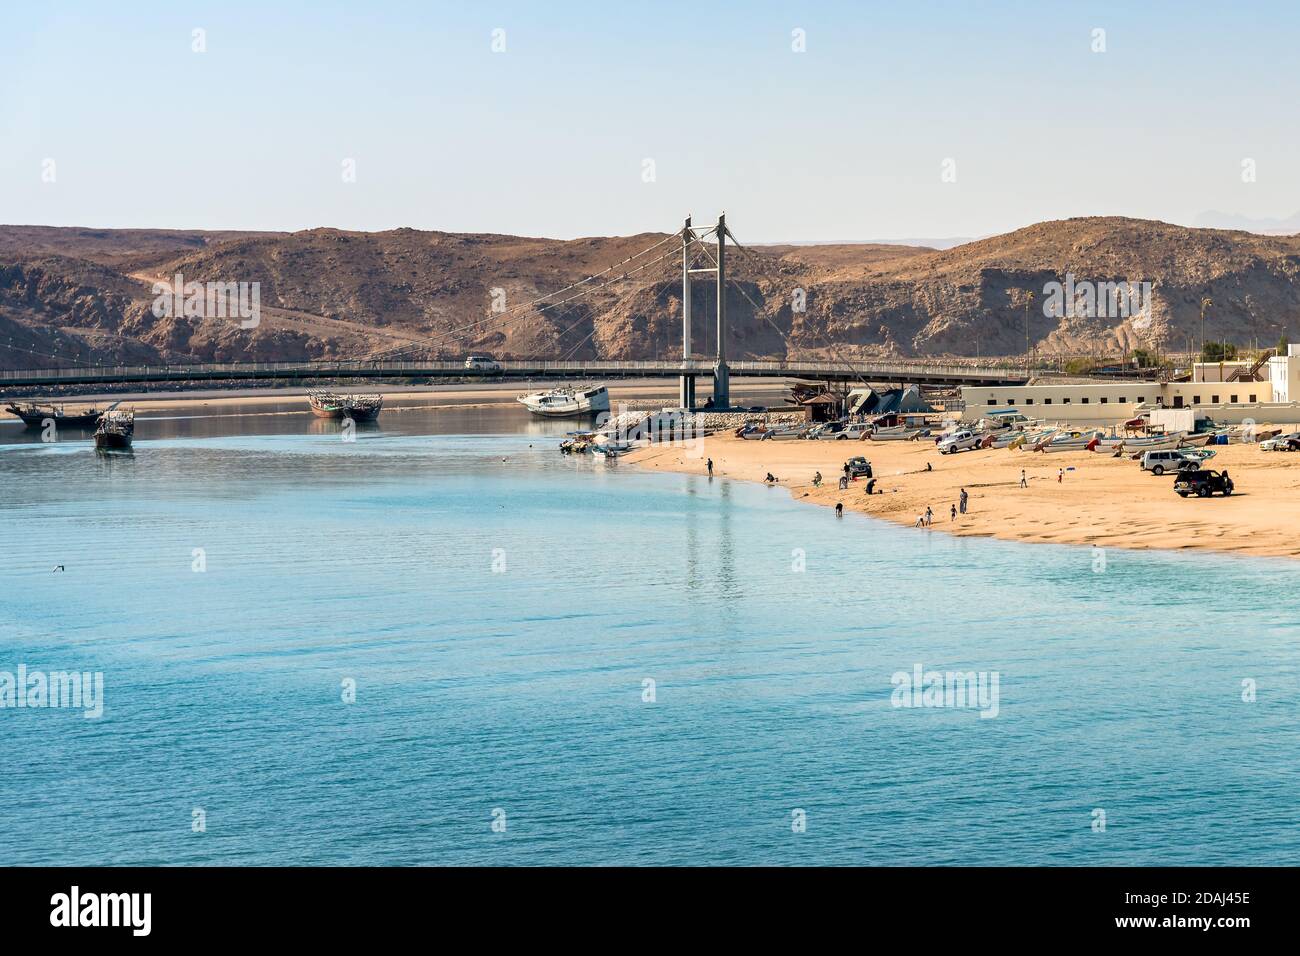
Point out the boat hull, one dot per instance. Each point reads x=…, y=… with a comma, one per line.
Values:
x=112, y=441
x=562, y=403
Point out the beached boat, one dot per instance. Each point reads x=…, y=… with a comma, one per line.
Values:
x=35, y=414
x=115, y=430
x=896, y=433
x=567, y=402
x=359, y=408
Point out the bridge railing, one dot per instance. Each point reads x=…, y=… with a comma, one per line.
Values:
x=950, y=371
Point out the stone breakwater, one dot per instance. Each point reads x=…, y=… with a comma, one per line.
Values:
x=723, y=421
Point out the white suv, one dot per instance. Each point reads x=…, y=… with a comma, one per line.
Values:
x=482, y=363
x=1158, y=462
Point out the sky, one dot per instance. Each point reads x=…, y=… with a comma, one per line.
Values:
x=803, y=121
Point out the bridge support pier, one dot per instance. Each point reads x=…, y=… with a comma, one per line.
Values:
x=721, y=386
x=686, y=391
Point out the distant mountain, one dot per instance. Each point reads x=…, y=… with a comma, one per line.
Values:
x=74, y=295
x=1265, y=226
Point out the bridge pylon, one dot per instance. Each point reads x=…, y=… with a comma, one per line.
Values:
x=721, y=372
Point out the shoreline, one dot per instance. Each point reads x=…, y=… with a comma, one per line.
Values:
x=473, y=395
x=1099, y=500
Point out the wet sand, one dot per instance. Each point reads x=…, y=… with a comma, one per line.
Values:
x=1100, y=500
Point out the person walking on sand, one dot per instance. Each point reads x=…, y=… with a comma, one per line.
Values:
x=709, y=464
x=953, y=515
x=929, y=516
x=1060, y=475
x=839, y=509
x=1023, y=483
x=964, y=498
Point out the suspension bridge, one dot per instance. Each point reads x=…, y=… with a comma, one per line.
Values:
x=419, y=359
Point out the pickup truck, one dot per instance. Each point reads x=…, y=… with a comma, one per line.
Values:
x=959, y=441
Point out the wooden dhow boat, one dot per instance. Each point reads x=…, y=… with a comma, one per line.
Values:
x=359, y=408
x=115, y=430
x=36, y=414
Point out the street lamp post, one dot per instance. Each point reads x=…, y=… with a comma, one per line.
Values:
x=1205, y=303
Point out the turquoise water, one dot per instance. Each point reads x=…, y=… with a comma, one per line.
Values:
x=521, y=689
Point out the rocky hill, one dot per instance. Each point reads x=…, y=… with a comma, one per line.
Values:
x=72, y=296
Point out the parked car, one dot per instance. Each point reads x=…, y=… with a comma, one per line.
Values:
x=959, y=441
x=482, y=363
x=1203, y=483
x=827, y=431
x=859, y=467
x=1158, y=462
x=854, y=430
x=1289, y=442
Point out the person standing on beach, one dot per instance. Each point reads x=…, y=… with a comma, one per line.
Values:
x=1060, y=475
x=953, y=513
x=844, y=482
x=929, y=516
x=1023, y=483
x=839, y=509
x=964, y=498
x=710, y=466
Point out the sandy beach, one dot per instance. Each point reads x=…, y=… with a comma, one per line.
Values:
x=1100, y=500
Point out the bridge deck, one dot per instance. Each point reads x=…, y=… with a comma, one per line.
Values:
x=882, y=372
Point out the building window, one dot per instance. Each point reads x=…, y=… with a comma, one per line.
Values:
x=1104, y=400
x=1065, y=401
x=1196, y=399
x=1047, y=401
x=1214, y=399
x=1084, y=401
x=1232, y=399
x=1029, y=401
x=1140, y=399
x=1253, y=398
x=992, y=402
x=1122, y=399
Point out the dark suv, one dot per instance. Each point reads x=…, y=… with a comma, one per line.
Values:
x=1203, y=483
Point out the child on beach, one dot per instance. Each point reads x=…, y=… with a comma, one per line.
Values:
x=953, y=515
x=1023, y=483
x=1060, y=475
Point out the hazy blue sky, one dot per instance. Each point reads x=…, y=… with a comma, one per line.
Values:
x=844, y=141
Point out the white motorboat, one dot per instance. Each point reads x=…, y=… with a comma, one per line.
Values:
x=567, y=402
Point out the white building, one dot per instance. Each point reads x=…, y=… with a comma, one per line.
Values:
x=1284, y=375
x=1276, y=399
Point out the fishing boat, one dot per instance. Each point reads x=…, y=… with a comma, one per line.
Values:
x=359, y=408
x=35, y=414
x=896, y=433
x=1007, y=439
x=567, y=402
x=115, y=430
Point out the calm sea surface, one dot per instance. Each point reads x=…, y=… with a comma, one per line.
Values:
x=501, y=610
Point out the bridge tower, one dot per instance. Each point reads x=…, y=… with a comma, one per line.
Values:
x=721, y=373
